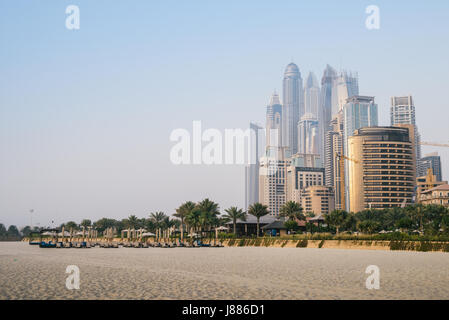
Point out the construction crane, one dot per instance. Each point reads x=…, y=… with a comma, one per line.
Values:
x=341, y=163
x=429, y=176
x=434, y=144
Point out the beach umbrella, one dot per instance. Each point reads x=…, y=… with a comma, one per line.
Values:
x=49, y=233
x=222, y=228
x=148, y=234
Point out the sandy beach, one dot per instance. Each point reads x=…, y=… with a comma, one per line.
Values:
x=28, y=272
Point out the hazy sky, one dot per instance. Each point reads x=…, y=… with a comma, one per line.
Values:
x=86, y=115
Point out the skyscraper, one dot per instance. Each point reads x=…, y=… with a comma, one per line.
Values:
x=304, y=170
x=274, y=122
x=293, y=107
x=347, y=86
x=402, y=111
x=325, y=108
x=358, y=112
x=430, y=161
x=382, y=173
x=308, y=135
x=334, y=146
x=272, y=178
x=312, y=95
x=252, y=169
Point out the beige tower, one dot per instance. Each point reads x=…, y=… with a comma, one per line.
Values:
x=382, y=174
x=318, y=200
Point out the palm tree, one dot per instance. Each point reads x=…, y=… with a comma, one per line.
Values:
x=233, y=213
x=392, y=216
x=209, y=212
x=157, y=218
x=336, y=218
x=292, y=210
x=258, y=210
x=193, y=219
x=133, y=222
x=182, y=212
x=86, y=223
x=416, y=214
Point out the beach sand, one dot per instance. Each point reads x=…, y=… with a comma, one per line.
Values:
x=29, y=272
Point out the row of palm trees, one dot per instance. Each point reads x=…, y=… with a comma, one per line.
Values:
x=204, y=217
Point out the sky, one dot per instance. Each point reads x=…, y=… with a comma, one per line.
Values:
x=86, y=115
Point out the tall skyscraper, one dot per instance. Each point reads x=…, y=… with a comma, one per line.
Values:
x=402, y=111
x=272, y=178
x=274, y=122
x=252, y=169
x=308, y=135
x=325, y=108
x=358, y=112
x=312, y=95
x=430, y=161
x=381, y=175
x=347, y=86
x=334, y=146
x=293, y=107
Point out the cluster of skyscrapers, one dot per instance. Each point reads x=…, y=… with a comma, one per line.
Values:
x=325, y=149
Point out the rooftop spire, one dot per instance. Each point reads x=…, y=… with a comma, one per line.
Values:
x=274, y=99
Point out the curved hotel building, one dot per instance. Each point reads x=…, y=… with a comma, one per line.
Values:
x=382, y=170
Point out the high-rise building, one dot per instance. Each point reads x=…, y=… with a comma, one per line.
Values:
x=304, y=170
x=318, y=200
x=325, y=117
x=293, y=107
x=308, y=135
x=358, y=112
x=252, y=169
x=347, y=86
x=274, y=122
x=272, y=178
x=412, y=135
x=430, y=161
x=402, y=111
x=382, y=168
x=328, y=96
x=334, y=146
x=312, y=95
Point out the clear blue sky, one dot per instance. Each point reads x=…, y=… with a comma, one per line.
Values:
x=85, y=115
